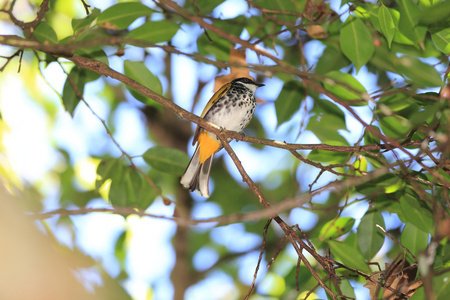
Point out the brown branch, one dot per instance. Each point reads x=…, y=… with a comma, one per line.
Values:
x=229, y=219
x=252, y=286
x=86, y=7
x=291, y=235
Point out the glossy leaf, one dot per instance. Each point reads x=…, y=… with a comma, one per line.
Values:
x=328, y=156
x=414, y=239
x=78, y=24
x=370, y=238
x=399, y=37
x=348, y=253
x=204, y=6
x=45, y=33
x=73, y=89
x=326, y=121
x=322, y=127
x=439, y=11
x=382, y=184
x=344, y=86
x=441, y=40
x=111, y=168
x=347, y=289
x=288, y=101
x=131, y=190
x=166, y=160
x=121, y=15
x=356, y=42
x=138, y=71
x=441, y=286
x=215, y=44
x=281, y=5
x=409, y=17
x=155, y=31
x=420, y=73
x=417, y=213
x=369, y=137
x=332, y=59
x=387, y=24
x=396, y=127
x=398, y=103
x=336, y=228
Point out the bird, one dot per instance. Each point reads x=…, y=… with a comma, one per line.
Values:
x=231, y=108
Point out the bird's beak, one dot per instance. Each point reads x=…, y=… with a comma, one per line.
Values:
x=260, y=84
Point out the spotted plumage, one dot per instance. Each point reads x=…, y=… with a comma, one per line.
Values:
x=232, y=108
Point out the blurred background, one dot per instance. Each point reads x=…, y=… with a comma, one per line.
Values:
x=49, y=159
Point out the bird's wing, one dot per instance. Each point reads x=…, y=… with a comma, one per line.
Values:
x=217, y=95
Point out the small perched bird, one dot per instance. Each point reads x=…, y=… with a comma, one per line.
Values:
x=232, y=108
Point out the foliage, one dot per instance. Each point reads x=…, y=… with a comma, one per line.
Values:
x=375, y=95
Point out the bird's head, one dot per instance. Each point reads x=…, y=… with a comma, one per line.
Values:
x=248, y=83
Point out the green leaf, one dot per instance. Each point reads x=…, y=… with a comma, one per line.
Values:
x=370, y=138
x=288, y=102
x=166, y=160
x=78, y=24
x=370, y=238
x=435, y=13
x=217, y=45
x=381, y=185
x=336, y=228
x=387, y=24
x=137, y=71
x=155, y=31
x=348, y=253
x=132, y=185
x=45, y=33
x=399, y=36
x=204, y=6
x=282, y=5
x=347, y=289
x=71, y=95
x=398, y=103
x=332, y=59
x=110, y=168
x=409, y=18
x=325, y=125
x=345, y=87
x=326, y=121
x=421, y=74
x=417, y=212
x=414, y=239
x=328, y=156
x=356, y=42
x=396, y=127
x=441, y=40
x=441, y=286
x=130, y=189
x=117, y=193
x=121, y=15
x=120, y=249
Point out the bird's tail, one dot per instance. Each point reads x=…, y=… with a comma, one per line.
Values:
x=196, y=176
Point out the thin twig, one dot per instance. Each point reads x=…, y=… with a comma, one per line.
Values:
x=395, y=241
x=263, y=246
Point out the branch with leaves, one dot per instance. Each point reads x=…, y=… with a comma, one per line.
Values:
x=398, y=164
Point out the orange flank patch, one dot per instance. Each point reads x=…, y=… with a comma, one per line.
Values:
x=208, y=146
